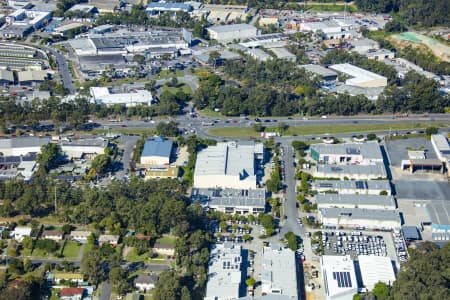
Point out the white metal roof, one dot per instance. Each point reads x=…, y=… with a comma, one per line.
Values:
x=375, y=269
x=339, y=276
x=359, y=75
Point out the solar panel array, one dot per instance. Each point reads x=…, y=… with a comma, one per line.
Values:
x=361, y=185
x=343, y=279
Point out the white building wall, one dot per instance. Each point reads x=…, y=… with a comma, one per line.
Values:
x=19, y=151
x=224, y=181
x=154, y=160
x=355, y=223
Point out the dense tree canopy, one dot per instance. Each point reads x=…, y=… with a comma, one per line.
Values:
x=426, y=13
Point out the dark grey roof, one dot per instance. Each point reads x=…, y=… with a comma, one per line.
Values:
x=157, y=147
x=362, y=185
x=146, y=279
x=26, y=141
x=439, y=212
x=411, y=233
x=363, y=200
x=230, y=197
x=361, y=213
x=318, y=70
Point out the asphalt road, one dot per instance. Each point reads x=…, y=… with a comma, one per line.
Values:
x=63, y=69
x=106, y=289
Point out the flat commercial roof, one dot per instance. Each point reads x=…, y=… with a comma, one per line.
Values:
x=377, y=169
x=362, y=185
x=224, y=272
x=439, y=211
x=157, y=147
x=360, y=75
x=230, y=197
x=441, y=142
x=368, y=150
x=23, y=142
x=95, y=142
x=357, y=200
x=339, y=276
x=226, y=159
x=376, y=269
x=318, y=70
x=361, y=213
x=279, y=271
x=232, y=28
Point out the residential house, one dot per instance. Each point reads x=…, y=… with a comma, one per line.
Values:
x=145, y=282
x=67, y=276
x=108, y=239
x=164, y=248
x=20, y=232
x=54, y=235
x=80, y=236
x=71, y=293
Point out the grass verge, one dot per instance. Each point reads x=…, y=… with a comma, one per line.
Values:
x=320, y=129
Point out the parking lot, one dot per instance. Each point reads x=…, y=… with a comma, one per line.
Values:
x=354, y=243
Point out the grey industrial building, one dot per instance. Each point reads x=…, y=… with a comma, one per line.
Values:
x=360, y=187
x=231, y=201
x=323, y=73
x=348, y=153
x=381, y=219
x=228, y=33
x=355, y=201
x=356, y=172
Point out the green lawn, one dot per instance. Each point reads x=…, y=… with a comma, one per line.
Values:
x=87, y=248
x=41, y=253
x=132, y=256
x=169, y=74
x=331, y=7
x=141, y=131
x=71, y=249
x=321, y=129
x=210, y=113
x=183, y=86
x=166, y=240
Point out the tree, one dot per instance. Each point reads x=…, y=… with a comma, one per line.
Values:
x=27, y=243
x=292, y=240
x=372, y=137
x=47, y=159
x=16, y=266
x=167, y=129
x=214, y=56
x=381, y=291
x=118, y=279
x=185, y=293
x=267, y=222
x=423, y=276
x=101, y=164
x=250, y=282
x=430, y=131
x=92, y=265
x=150, y=86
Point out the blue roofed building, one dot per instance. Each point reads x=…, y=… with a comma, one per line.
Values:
x=157, y=152
x=156, y=8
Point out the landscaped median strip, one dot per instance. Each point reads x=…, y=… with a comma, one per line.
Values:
x=321, y=129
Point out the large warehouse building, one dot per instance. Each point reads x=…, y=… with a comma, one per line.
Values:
x=228, y=33
x=279, y=274
x=382, y=219
x=376, y=269
x=360, y=187
x=156, y=152
x=224, y=272
x=102, y=95
x=227, y=165
x=360, y=77
x=22, y=145
x=355, y=172
x=339, y=277
x=349, y=153
x=231, y=201
x=355, y=201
